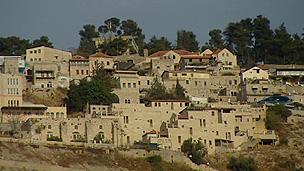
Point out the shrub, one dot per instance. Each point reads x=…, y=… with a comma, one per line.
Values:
x=275, y=115
x=54, y=138
x=196, y=151
x=242, y=164
x=154, y=159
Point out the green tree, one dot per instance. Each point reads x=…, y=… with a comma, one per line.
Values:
x=263, y=36
x=42, y=41
x=114, y=47
x=187, y=40
x=110, y=25
x=157, y=91
x=156, y=44
x=281, y=46
x=179, y=91
x=13, y=45
x=275, y=115
x=96, y=91
x=239, y=39
x=242, y=164
x=195, y=150
x=87, y=45
x=216, y=40
x=131, y=28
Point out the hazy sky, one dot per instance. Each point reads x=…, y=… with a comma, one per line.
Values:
x=61, y=20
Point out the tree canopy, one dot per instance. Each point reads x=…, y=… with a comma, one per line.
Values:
x=17, y=46
x=96, y=91
x=157, y=44
x=253, y=40
x=195, y=150
x=87, y=45
x=158, y=91
x=187, y=40
x=242, y=164
x=275, y=115
x=42, y=41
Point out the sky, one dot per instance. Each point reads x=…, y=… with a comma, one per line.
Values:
x=61, y=20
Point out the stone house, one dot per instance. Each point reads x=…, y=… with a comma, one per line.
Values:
x=255, y=73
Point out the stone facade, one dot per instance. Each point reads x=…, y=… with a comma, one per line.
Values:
x=11, y=86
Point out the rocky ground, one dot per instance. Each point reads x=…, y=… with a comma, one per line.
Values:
x=15, y=156
x=288, y=156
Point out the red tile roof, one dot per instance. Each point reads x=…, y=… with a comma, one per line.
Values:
x=78, y=57
x=163, y=52
x=217, y=52
x=196, y=57
x=100, y=55
x=172, y=100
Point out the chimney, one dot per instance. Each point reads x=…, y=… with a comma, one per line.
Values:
x=146, y=52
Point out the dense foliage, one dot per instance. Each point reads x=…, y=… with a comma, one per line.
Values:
x=195, y=150
x=87, y=45
x=158, y=91
x=17, y=46
x=242, y=164
x=187, y=40
x=96, y=91
x=275, y=115
x=252, y=40
x=158, y=44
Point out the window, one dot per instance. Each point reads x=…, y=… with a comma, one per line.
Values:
x=108, y=63
x=49, y=126
x=204, y=122
x=201, y=123
x=31, y=51
x=76, y=126
x=77, y=72
x=190, y=60
x=35, y=51
x=148, y=82
x=87, y=72
x=129, y=85
x=151, y=123
x=217, y=133
x=126, y=119
x=195, y=83
x=138, y=82
x=82, y=72
x=124, y=85
x=39, y=50
x=191, y=131
x=39, y=59
x=179, y=139
x=187, y=81
x=181, y=104
x=100, y=126
x=212, y=113
x=134, y=85
x=210, y=142
x=128, y=139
